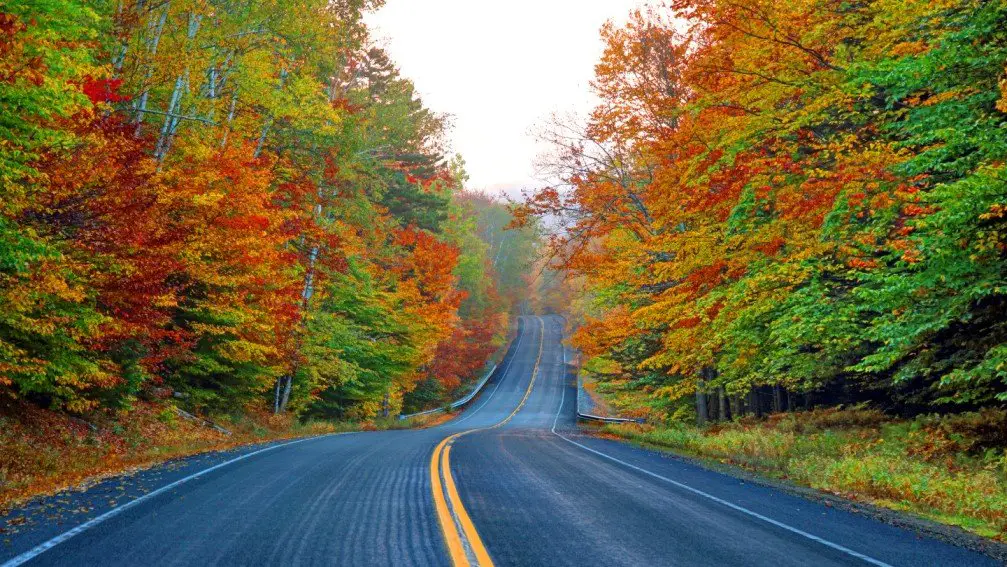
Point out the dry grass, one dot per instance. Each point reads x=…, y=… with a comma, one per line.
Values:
x=951, y=469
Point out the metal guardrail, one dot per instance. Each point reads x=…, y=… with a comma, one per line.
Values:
x=477, y=389
x=460, y=402
x=508, y=350
x=599, y=418
x=603, y=419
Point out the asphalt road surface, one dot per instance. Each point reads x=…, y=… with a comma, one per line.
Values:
x=511, y=481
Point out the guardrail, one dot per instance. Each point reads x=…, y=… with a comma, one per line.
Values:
x=508, y=350
x=603, y=419
x=581, y=415
x=460, y=402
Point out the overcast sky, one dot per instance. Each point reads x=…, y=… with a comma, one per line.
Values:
x=499, y=67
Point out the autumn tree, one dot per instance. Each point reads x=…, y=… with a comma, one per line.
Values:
x=231, y=205
x=805, y=218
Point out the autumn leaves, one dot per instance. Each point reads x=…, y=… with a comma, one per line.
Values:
x=238, y=203
x=792, y=195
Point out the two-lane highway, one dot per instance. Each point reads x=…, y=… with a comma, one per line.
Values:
x=511, y=481
x=552, y=496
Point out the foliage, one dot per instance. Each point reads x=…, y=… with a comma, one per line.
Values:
x=801, y=196
x=234, y=205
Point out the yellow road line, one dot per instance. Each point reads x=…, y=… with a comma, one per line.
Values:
x=475, y=542
x=451, y=536
x=440, y=463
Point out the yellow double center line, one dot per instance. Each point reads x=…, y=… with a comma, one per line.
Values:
x=450, y=511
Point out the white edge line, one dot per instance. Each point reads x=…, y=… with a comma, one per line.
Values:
x=562, y=398
x=733, y=506
x=45, y=546
x=709, y=496
x=476, y=410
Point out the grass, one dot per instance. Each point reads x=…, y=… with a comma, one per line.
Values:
x=44, y=452
x=950, y=469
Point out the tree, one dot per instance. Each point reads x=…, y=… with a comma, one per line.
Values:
x=801, y=196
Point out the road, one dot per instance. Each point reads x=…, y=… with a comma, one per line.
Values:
x=511, y=481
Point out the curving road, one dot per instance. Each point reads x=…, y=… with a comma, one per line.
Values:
x=510, y=481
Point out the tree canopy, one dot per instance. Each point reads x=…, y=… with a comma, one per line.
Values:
x=805, y=196
x=232, y=203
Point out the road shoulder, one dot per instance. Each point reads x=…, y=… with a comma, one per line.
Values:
x=927, y=528
x=45, y=517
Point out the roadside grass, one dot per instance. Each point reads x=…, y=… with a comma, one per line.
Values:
x=44, y=452
x=950, y=469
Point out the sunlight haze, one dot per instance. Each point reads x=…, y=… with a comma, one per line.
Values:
x=522, y=60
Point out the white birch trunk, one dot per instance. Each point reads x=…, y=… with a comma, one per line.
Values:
x=171, y=118
x=269, y=121
x=141, y=102
x=230, y=119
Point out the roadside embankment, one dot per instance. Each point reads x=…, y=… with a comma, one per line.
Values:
x=948, y=469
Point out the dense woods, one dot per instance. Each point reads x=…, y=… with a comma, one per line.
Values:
x=785, y=204
x=233, y=204
x=230, y=221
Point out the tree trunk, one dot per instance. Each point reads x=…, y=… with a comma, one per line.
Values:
x=722, y=403
x=171, y=118
x=276, y=394
x=701, y=412
x=168, y=128
x=777, y=399
x=230, y=119
x=306, y=293
x=309, y=278
x=496, y=257
x=289, y=384
x=269, y=121
x=753, y=398
x=141, y=102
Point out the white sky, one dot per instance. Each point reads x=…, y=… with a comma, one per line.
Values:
x=499, y=67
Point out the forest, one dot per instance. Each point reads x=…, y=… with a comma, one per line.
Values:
x=780, y=205
x=782, y=234
x=779, y=239
x=231, y=206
